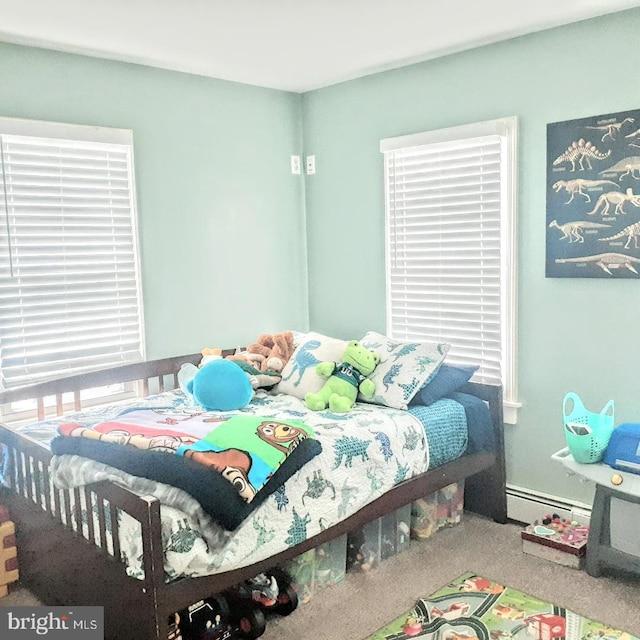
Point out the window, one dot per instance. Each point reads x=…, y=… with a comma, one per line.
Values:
x=69, y=273
x=451, y=245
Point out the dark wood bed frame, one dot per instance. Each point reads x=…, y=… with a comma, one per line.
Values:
x=61, y=567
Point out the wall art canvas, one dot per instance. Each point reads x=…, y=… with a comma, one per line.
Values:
x=593, y=197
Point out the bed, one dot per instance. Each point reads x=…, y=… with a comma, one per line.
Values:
x=68, y=558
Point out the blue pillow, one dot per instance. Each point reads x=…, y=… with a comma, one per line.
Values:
x=449, y=378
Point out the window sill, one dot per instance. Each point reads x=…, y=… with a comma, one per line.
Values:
x=510, y=410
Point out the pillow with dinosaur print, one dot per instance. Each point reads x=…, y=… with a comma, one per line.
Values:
x=404, y=368
x=299, y=375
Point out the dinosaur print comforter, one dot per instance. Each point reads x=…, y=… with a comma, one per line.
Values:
x=364, y=453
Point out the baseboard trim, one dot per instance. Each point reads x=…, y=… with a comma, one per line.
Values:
x=524, y=505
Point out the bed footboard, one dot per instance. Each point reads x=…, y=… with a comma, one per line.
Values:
x=66, y=557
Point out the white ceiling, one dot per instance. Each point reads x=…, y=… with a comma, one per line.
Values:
x=295, y=45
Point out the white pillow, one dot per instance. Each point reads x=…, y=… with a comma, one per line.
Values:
x=299, y=375
x=404, y=368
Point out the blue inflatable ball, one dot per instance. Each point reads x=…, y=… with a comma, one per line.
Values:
x=221, y=385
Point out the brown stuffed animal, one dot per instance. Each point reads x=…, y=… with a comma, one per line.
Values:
x=282, y=350
x=275, y=348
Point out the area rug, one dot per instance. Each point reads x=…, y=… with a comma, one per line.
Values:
x=474, y=608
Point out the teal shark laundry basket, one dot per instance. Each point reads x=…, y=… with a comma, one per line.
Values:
x=587, y=433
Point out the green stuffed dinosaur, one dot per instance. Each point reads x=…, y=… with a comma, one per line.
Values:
x=345, y=379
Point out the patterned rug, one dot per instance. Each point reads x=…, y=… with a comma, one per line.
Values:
x=474, y=608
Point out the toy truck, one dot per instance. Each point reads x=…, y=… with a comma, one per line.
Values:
x=239, y=613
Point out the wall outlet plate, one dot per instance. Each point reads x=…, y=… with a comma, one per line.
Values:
x=296, y=168
x=311, y=165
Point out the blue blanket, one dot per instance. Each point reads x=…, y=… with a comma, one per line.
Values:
x=219, y=497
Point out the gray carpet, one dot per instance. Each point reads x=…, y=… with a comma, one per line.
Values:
x=365, y=602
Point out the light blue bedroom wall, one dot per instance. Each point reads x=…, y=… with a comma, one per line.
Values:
x=574, y=334
x=221, y=217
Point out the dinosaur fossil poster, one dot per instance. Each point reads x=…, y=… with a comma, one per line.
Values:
x=593, y=197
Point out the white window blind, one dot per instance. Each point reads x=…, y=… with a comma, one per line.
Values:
x=69, y=273
x=450, y=240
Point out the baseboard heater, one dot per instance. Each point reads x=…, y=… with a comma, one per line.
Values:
x=526, y=506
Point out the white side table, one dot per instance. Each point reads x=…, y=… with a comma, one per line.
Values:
x=614, y=533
